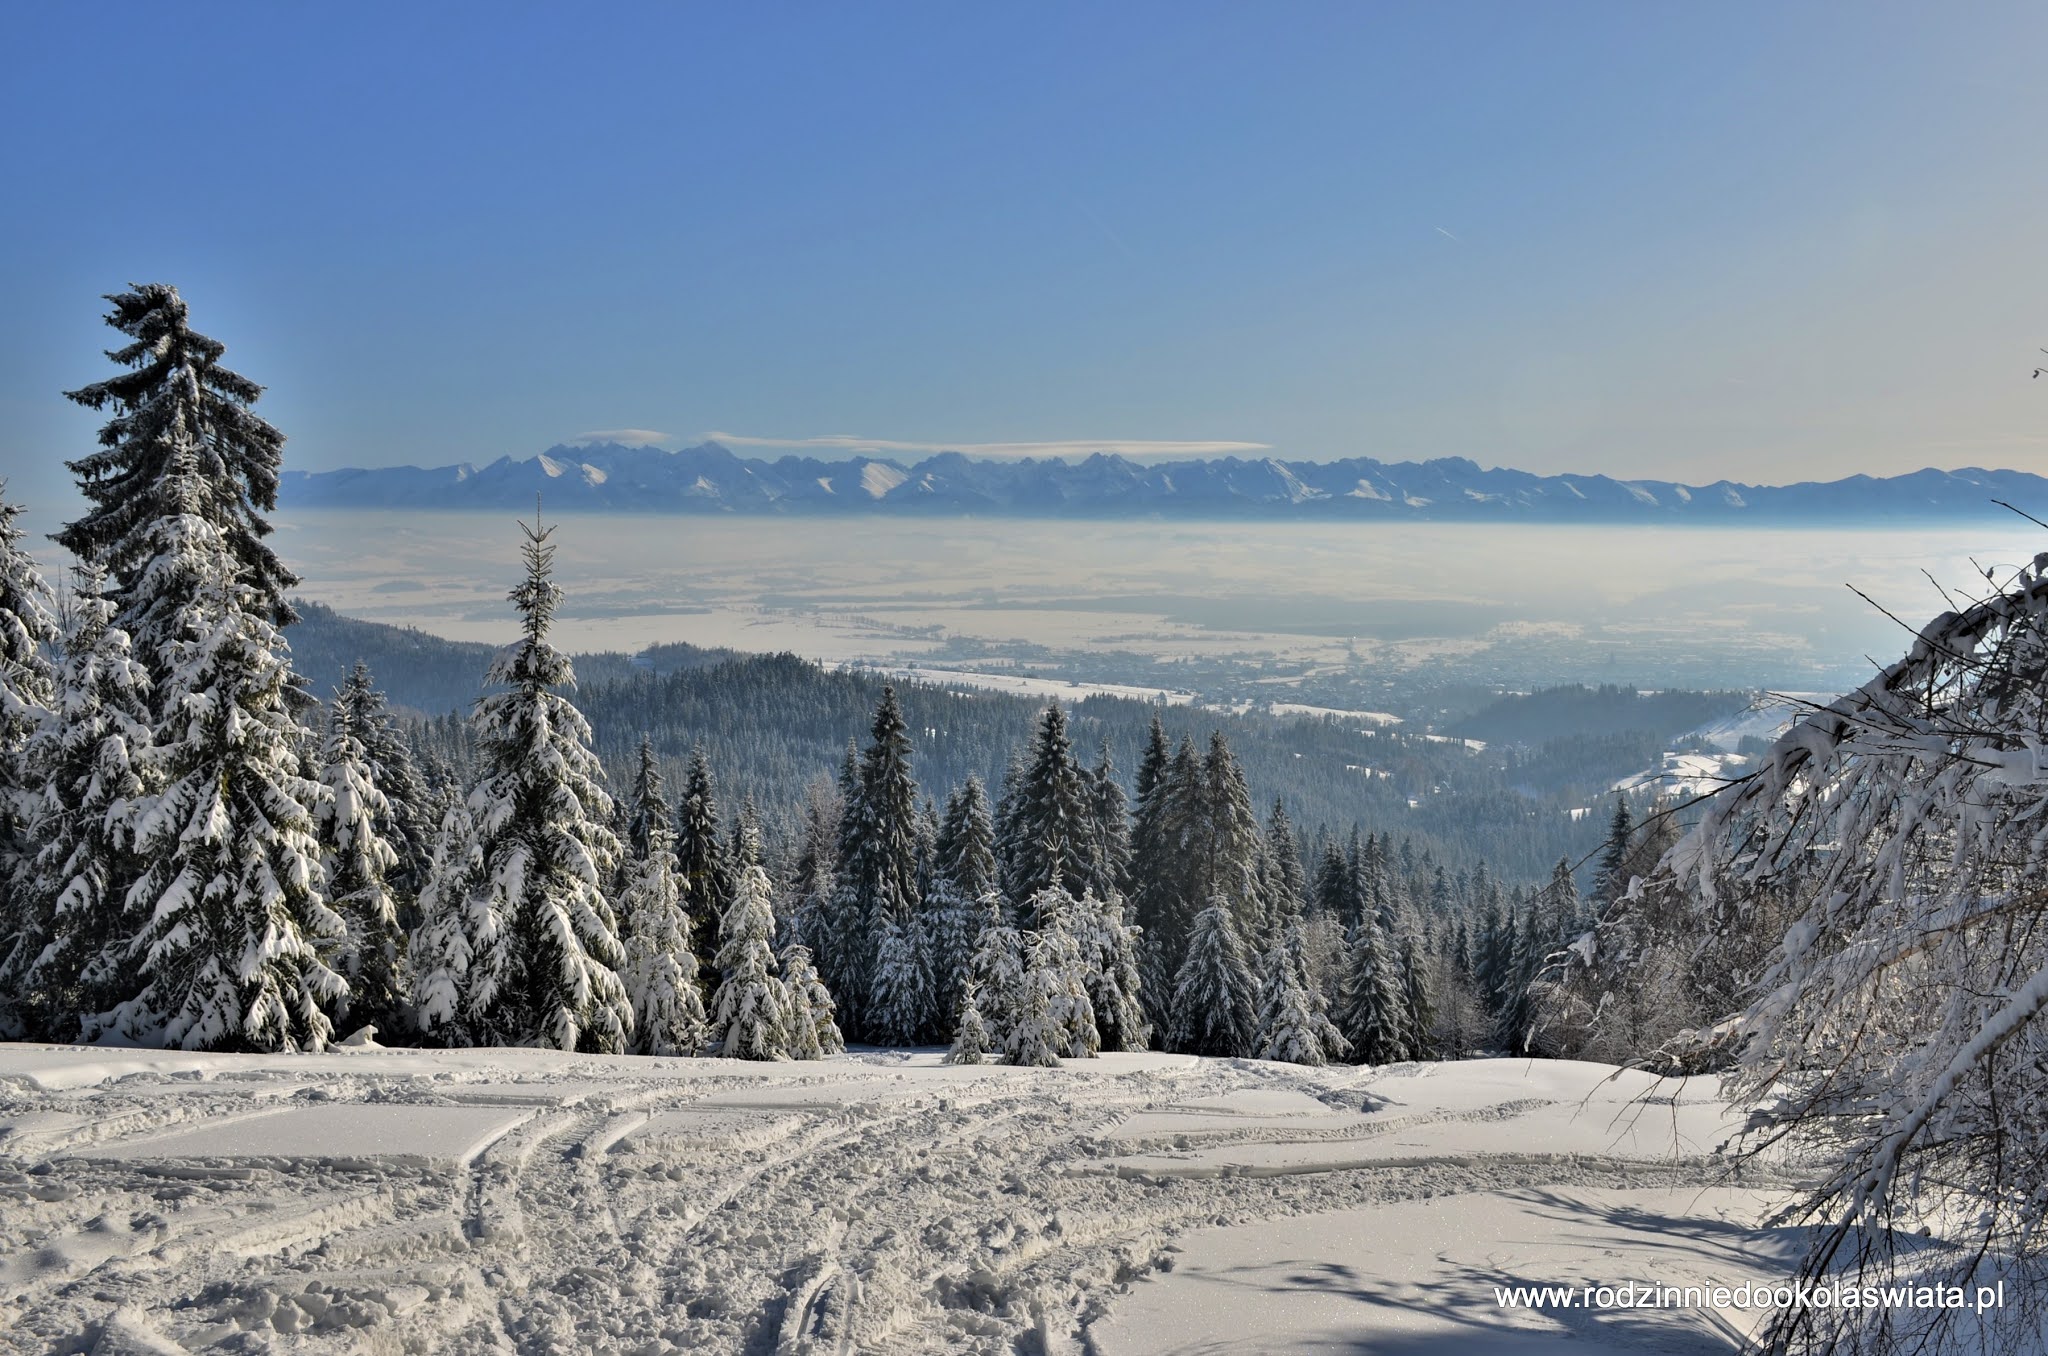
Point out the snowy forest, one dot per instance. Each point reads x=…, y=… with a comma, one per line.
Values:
x=203, y=854
x=198, y=851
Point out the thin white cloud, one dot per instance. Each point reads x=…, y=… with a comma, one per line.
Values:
x=626, y=437
x=1071, y=447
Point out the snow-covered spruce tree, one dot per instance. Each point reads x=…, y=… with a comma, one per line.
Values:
x=1036, y=1026
x=1161, y=867
x=971, y=1042
x=546, y=953
x=412, y=821
x=175, y=403
x=813, y=1028
x=1109, y=857
x=1294, y=1024
x=66, y=951
x=1213, y=996
x=1374, y=1016
x=233, y=922
x=899, y=999
x=877, y=864
x=458, y=925
x=813, y=869
x=707, y=878
x=27, y=631
x=963, y=875
x=358, y=860
x=1057, y=968
x=1109, y=966
x=1049, y=823
x=750, y=1013
x=1228, y=848
x=1418, y=997
x=1284, y=882
x=661, y=967
x=997, y=974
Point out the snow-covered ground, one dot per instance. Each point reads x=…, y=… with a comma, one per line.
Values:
x=488, y=1201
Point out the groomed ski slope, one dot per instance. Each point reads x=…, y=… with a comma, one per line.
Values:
x=477, y=1201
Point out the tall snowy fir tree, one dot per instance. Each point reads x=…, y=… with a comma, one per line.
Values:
x=700, y=855
x=1228, y=848
x=963, y=878
x=661, y=967
x=448, y=962
x=1048, y=826
x=63, y=947
x=1214, y=1001
x=545, y=967
x=1284, y=881
x=234, y=924
x=175, y=405
x=1109, y=966
x=27, y=691
x=1159, y=868
x=900, y=997
x=877, y=865
x=813, y=869
x=750, y=1012
x=411, y=820
x=351, y=821
x=1374, y=1015
x=1109, y=867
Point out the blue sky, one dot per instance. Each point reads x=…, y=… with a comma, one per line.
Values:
x=1764, y=241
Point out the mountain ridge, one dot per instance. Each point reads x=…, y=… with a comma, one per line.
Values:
x=711, y=478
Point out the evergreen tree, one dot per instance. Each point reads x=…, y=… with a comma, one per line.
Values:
x=1374, y=1017
x=901, y=994
x=358, y=860
x=1287, y=885
x=1228, y=846
x=998, y=977
x=700, y=857
x=750, y=1014
x=234, y=921
x=877, y=862
x=1418, y=998
x=1213, y=997
x=410, y=824
x=66, y=952
x=1038, y=1025
x=661, y=966
x=1109, y=965
x=970, y=1035
x=27, y=690
x=814, y=1032
x=1050, y=826
x=547, y=968
x=1337, y=894
x=813, y=877
x=176, y=407
x=1058, y=966
x=1610, y=878
x=1166, y=826
x=1294, y=1023
x=963, y=876
x=1110, y=824
x=448, y=961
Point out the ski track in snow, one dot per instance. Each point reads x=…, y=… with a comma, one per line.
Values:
x=534, y=1202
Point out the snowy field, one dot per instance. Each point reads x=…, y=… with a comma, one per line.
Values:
x=493, y=1201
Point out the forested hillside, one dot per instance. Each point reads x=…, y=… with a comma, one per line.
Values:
x=770, y=723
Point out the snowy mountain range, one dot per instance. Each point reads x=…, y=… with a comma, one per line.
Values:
x=710, y=478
